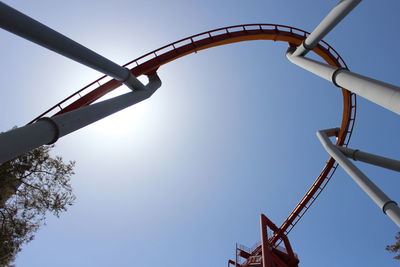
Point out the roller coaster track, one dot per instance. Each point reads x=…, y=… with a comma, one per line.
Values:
x=150, y=62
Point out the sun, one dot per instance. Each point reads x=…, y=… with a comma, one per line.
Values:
x=123, y=122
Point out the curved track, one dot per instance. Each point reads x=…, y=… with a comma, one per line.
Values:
x=152, y=61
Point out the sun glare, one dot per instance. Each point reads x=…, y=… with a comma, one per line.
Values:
x=122, y=122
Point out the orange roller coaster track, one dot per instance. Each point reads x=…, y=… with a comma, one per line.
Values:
x=150, y=62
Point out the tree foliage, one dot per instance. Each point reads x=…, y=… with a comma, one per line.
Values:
x=396, y=247
x=31, y=186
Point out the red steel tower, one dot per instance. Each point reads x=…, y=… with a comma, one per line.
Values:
x=269, y=252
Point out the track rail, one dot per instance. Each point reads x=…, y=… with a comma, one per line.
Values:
x=151, y=61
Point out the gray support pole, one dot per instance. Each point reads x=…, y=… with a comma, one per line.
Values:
x=20, y=24
x=376, y=160
x=388, y=206
x=327, y=24
x=47, y=130
x=383, y=94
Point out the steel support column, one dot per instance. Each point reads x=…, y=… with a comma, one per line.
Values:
x=376, y=160
x=388, y=206
x=326, y=25
x=383, y=94
x=47, y=130
x=20, y=24
x=265, y=247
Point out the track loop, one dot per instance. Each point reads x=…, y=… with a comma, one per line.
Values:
x=153, y=60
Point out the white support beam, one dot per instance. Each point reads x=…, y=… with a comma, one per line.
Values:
x=388, y=206
x=381, y=93
x=327, y=24
x=20, y=24
x=47, y=130
x=373, y=159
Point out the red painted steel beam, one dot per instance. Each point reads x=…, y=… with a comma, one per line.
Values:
x=265, y=246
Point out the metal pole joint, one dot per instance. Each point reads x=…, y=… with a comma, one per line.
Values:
x=56, y=129
x=353, y=155
x=334, y=75
x=386, y=204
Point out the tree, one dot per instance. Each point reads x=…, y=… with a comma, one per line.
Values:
x=31, y=186
x=396, y=247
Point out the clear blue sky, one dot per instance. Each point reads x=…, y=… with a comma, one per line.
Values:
x=178, y=179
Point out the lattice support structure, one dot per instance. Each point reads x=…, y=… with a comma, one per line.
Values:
x=269, y=255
